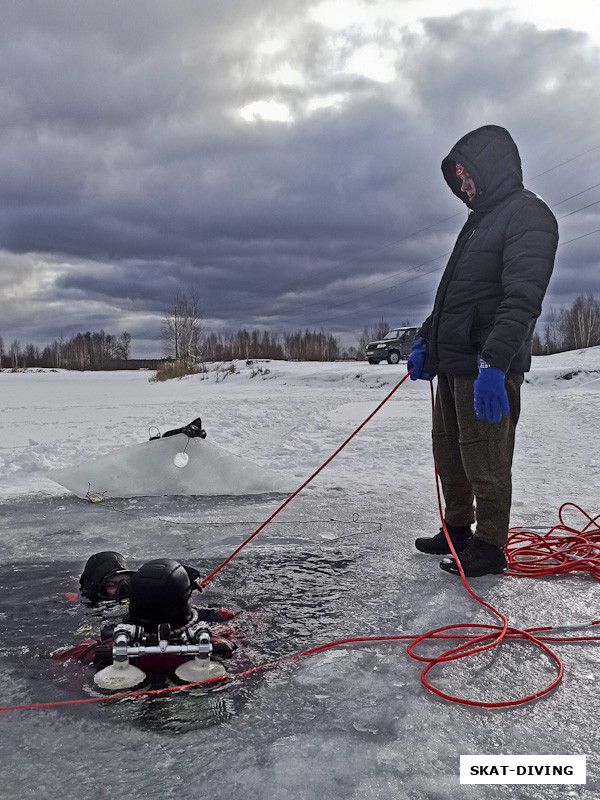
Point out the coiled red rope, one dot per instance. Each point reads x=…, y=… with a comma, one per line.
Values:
x=528, y=554
x=561, y=550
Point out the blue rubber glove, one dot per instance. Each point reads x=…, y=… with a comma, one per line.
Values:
x=416, y=360
x=491, y=400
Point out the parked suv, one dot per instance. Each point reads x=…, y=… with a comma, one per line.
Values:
x=395, y=345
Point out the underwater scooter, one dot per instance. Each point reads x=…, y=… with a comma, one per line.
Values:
x=131, y=641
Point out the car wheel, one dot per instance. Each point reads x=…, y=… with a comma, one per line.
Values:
x=373, y=361
x=393, y=357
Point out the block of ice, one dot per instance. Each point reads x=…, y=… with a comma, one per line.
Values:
x=157, y=468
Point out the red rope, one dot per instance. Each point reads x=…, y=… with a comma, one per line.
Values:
x=562, y=549
x=512, y=633
x=306, y=482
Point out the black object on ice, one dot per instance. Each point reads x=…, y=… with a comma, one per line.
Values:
x=194, y=430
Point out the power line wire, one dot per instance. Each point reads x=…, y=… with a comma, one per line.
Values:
x=583, y=236
x=302, y=309
x=583, y=208
x=431, y=289
x=583, y=191
x=375, y=250
x=441, y=221
x=568, y=161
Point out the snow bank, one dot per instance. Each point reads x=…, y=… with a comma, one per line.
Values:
x=580, y=366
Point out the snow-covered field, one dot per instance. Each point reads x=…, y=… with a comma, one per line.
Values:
x=353, y=722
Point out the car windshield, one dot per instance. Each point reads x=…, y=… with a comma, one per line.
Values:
x=392, y=335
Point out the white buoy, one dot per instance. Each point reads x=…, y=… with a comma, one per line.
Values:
x=181, y=459
x=119, y=675
x=200, y=669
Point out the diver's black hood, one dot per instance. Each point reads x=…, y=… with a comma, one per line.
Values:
x=490, y=156
x=160, y=593
x=97, y=570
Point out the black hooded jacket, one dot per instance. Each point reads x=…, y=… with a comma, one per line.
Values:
x=491, y=292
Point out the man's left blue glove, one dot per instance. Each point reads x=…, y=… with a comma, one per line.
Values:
x=416, y=360
x=491, y=400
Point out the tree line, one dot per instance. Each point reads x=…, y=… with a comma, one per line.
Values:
x=185, y=341
x=95, y=350
x=300, y=346
x=571, y=328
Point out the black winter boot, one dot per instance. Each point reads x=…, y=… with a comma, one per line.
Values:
x=478, y=558
x=438, y=546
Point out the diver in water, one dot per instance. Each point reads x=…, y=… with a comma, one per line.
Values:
x=105, y=576
x=161, y=592
x=160, y=610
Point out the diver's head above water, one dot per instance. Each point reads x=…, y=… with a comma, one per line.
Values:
x=105, y=576
x=160, y=593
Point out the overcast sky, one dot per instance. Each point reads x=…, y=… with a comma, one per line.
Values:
x=282, y=157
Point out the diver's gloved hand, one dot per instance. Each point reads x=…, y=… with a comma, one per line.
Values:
x=194, y=577
x=416, y=360
x=227, y=613
x=489, y=392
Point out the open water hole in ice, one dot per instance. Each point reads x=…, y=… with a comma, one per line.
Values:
x=292, y=587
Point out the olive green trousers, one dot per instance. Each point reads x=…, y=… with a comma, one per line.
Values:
x=474, y=457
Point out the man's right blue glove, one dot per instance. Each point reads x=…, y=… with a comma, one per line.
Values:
x=416, y=360
x=489, y=393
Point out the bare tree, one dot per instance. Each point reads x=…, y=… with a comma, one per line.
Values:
x=31, y=356
x=15, y=353
x=182, y=329
x=56, y=352
x=123, y=346
x=580, y=324
x=552, y=334
x=372, y=334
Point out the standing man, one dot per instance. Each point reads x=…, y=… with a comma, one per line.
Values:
x=477, y=340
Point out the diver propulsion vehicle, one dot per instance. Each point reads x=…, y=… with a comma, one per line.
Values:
x=131, y=641
x=180, y=462
x=162, y=629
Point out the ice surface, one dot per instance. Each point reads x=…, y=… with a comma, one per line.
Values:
x=341, y=724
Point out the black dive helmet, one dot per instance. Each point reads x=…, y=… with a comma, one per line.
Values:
x=98, y=569
x=160, y=593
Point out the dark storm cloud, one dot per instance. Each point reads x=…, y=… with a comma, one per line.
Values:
x=127, y=171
